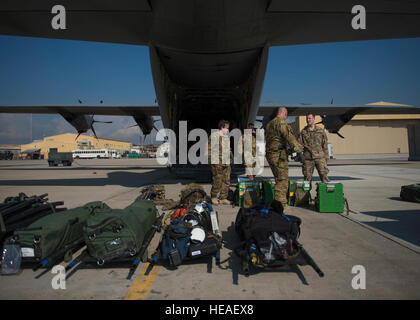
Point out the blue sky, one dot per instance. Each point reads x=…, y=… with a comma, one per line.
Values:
x=46, y=71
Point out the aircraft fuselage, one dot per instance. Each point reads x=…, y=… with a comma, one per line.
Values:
x=208, y=57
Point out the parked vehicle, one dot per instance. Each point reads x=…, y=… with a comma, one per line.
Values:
x=56, y=158
x=92, y=154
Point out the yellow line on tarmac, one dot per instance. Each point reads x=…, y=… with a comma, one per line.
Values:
x=143, y=284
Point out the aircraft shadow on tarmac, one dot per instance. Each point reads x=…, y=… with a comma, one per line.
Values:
x=121, y=178
x=404, y=224
x=363, y=162
x=128, y=179
x=108, y=168
x=234, y=262
x=332, y=178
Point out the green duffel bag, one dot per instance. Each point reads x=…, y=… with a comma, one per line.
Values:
x=51, y=238
x=117, y=234
x=411, y=192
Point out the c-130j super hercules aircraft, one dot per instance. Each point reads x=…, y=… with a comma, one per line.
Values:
x=209, y=57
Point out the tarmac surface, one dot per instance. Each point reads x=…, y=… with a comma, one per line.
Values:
x=383, y=236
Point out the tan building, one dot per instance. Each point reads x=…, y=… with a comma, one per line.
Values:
x=369, y=134
x=9, y=151
x=67, y=142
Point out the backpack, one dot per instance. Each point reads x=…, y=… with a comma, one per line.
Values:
x=191, y=234
x=175, y=242
x=116, y=234
x=192, y=193
x=410, y=192
x=267, y=235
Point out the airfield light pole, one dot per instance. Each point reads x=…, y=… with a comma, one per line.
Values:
x=31, y=129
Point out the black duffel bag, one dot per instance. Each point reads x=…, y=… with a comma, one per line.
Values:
x=267, y=235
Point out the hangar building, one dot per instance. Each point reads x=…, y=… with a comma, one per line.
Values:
x=369, y=134
x=67, y=142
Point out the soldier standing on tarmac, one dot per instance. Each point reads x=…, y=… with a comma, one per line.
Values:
x=249, y=167
x=220, y=171
x=315, y=150
x=278, y=136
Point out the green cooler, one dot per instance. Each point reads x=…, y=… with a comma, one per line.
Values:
x=267, y=188
x=244, y=184
x=295, y=185
x=330, y=197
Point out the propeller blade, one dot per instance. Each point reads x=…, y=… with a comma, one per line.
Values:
x=339, y=135
x=145, y=138
x=78, y=135
x=332, y=100
x=134, y=125
x=322, y=121
x=93, y=130
x=94, y=121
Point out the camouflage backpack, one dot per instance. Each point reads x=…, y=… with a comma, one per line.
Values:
x=152, y=192
x=410, y=192
x=192, y=193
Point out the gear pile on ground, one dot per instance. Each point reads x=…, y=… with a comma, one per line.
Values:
x=410, y=192
x=110, y=235
x=269, y=238
x=152, y=192
x=192, y=193
x=156, y=193
x=191, y=229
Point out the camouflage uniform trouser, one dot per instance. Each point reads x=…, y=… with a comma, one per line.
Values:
x=280, y=169
x=321, y=167
x=250, y=168
x=220, y=180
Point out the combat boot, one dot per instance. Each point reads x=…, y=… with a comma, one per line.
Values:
x=224, y=201
x=214, y=201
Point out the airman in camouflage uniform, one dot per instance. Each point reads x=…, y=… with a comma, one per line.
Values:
x=220, y=170
x=278, y=136
x=315, y=145
x=249, y=167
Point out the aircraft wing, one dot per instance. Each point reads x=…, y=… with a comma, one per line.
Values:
x=123, y=21
x=307, y=21
x=285, y=22
x=81, y=110
x=329, y=109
